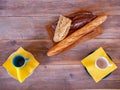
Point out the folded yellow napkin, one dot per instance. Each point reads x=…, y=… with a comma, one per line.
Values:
x=98, y=73
x=21, y=73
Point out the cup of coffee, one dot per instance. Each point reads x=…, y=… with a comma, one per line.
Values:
x=102, y=63
x=19, y=61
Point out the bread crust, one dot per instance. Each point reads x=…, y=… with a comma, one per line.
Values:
x=56, y=49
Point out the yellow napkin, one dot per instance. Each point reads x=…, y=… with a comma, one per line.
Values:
x=96, y=73
x=21, y=73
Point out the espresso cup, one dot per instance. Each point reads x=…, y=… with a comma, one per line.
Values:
x=102, y=63
x=19, y=61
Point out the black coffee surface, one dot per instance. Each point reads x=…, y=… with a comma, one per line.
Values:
x=18, y=61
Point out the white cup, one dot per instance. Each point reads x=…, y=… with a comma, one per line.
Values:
x=102, y=63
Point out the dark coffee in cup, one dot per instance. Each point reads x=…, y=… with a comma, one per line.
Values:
x=18, y=61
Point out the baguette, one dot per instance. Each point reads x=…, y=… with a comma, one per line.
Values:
x=97, y=31
x=76, y=35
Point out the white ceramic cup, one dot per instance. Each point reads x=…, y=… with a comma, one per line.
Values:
x=102, y=63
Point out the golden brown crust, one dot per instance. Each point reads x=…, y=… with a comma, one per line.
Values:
x=76, y=35
x=97, y=31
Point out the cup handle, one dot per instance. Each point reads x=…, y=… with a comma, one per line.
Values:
x=27, y=59
x=110, y=64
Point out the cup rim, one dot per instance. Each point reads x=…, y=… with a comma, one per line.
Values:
x=106, y=61
x=21, y=65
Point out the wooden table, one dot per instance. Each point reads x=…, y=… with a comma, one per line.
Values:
x=22, y=23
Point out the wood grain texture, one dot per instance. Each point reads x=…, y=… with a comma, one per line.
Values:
x=39, y=49
x=34, y=27
x=56, y=7
x=59, y=77
x=23, y=22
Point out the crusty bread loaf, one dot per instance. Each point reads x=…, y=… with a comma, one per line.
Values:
x=97, y=31
x=76, y=35
x=62, y=28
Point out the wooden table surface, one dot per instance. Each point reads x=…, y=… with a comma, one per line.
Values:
x=22, y=23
